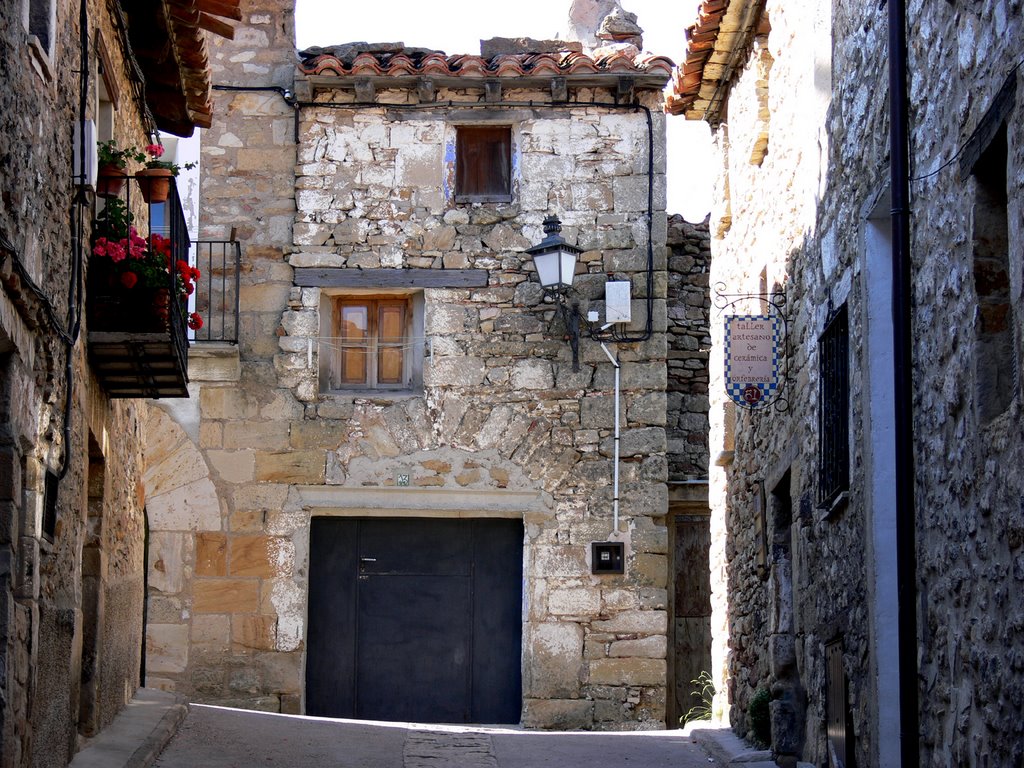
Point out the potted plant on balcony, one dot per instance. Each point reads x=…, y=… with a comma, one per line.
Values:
x=134, y=279
x=155, y=179
x=113, y=162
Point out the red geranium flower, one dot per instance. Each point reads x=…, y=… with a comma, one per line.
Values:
x=195, y=322
x=129, y=279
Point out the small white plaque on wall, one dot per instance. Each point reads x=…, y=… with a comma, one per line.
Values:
x=616, y=301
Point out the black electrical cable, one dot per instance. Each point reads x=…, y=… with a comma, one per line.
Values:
x=450, y=104
x=74, y=323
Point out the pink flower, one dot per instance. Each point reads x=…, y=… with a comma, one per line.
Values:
x=156, y=150
x=136, y=245
x=116, y=251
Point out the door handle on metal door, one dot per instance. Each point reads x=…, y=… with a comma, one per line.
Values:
x=363, y=561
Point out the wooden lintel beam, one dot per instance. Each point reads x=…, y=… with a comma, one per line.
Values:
x=223, y=8
x=339, y=277
x=216, y=26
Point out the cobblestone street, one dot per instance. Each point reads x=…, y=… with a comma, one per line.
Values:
x=223, y=738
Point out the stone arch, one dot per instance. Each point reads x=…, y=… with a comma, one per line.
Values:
x=182, y=504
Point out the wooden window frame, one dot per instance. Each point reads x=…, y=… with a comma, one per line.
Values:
x=334, y=350
x=478, y=149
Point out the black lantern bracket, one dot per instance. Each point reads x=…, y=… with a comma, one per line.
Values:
x=555, y=262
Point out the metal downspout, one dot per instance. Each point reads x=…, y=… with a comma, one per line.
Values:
x=902, y=295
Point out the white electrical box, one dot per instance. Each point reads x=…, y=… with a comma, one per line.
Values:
x=616, y=301
x=90, y=166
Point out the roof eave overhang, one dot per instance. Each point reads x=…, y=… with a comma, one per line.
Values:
x=169, y=43
x=716, y=47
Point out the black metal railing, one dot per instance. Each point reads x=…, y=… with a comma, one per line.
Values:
x=216, y=296
x=833, y=409
x=174, y=217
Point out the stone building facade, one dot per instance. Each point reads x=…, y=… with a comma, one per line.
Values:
x=804, y=560
x=349, y=184
x=72, y=520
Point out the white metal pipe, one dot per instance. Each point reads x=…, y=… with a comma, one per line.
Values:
x=615, y=462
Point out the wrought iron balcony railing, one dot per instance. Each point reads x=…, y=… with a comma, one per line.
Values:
x=138, y=286
x=216, y=296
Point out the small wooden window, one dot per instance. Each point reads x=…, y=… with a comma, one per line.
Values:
x=483, y=163
x=372, y=340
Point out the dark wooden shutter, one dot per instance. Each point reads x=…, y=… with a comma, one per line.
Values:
x=483, y=161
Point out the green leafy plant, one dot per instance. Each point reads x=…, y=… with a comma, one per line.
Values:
x=114, y=221
x=705, y=693
x=155, y=152
x=760, y=717
x=110, y=154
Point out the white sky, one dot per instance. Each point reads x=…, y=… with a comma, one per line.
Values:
x=457, y=26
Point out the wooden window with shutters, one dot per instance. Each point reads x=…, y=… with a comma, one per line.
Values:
x=372, y=345
x=483, y=163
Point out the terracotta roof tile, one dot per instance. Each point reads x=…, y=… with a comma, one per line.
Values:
x=419, y=63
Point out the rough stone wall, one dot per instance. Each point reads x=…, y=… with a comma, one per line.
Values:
x=44, y=581
x=800, y=216
x=969, y=486
x=502, y=418
x=778, y=613
x=689, y=310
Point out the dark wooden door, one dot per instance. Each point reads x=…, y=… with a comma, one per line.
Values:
x=692, y=609
x=415, y=619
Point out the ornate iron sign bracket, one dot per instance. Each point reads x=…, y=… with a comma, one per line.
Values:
x=756, y=348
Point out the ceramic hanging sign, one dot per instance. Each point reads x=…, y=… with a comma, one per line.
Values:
x=752, y=358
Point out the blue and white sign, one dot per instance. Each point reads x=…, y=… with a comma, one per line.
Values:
x=752, y=358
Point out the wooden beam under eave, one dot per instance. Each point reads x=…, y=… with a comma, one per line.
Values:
x=216, y=26
x=223, y=8
x=202, y=119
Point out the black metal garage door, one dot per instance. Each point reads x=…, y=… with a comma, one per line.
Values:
x=415, y=619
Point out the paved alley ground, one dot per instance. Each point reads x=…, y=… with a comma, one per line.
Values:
x=212, y=737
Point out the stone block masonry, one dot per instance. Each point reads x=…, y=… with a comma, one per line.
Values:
x=494, y=423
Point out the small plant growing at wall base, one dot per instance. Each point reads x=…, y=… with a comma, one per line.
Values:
x=706, y=693
x=760, y=717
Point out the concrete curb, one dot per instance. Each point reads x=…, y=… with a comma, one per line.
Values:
x=138, y=734
x=154, y=744
x=726, y=748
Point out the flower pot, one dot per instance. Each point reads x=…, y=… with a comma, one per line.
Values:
x=155, y=184
x=110, y=180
